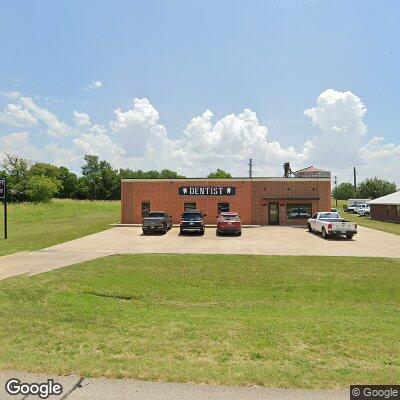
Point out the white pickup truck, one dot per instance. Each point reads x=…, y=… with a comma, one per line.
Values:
x=330, y=223
x=364, y=210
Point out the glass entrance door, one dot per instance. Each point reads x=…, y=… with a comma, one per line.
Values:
x=273, y=213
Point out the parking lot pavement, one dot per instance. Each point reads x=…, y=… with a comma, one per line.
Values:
x=75, y=388
x=266, y=240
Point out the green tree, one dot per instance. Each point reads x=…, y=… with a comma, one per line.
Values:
x=69, y=183
x=344, y=191
x=16, y=171
x=41, y=189
x=101, y=180
x=219, y=173
x=374, y=187
x=139, y=174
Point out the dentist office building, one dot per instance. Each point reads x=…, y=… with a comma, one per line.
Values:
x=288, y=200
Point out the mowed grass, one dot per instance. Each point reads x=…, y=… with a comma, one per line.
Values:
x=35, y=226
x=300, y=322
x=385, y=226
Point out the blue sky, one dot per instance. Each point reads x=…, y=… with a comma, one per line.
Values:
x=272, y=57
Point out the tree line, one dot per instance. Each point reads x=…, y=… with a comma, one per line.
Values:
x=40, y=182
x=370, y=188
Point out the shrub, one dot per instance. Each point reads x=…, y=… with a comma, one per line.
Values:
x=41, y=189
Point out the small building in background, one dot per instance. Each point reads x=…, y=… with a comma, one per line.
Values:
x=386, y=208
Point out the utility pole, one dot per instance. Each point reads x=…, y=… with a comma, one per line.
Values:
x=355, y=180
x=250, y=168
x=336, y=189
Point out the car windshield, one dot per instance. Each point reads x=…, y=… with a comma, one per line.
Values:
x=191, y=217
x=155, y=215
x=329, y=215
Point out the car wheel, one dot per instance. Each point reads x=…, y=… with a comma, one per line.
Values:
x=217, y=232
x=324, y=234
x=181, y=231
x=239, y=233
x=309, y=228
x=202, y=232
x=367, y=214
x=165, y=230
x=349, y=237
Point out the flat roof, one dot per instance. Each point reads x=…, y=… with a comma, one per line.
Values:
x=183, y=180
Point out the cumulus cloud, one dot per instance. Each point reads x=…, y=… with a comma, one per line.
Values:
x=94, y=85
x=136, y=138
x=338, y=113
x=340, y=118
x=15, y=115
x=381, y=159
x=82, y=119
x=97, y=142
x=232, y=140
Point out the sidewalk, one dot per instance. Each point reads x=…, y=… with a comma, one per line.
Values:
x=74, y=388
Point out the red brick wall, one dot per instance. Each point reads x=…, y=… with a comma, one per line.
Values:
x=251, y=199
x=314, y=192
x=385, y=213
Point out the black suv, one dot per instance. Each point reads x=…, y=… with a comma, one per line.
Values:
x=192, y=221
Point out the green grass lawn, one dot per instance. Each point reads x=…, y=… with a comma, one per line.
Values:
x=309, y=322
x=390, y=227
x=35, y=226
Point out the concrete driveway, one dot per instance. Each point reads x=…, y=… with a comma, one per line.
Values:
x=268, y=240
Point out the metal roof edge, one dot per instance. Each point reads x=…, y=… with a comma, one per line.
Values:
x=183, y=180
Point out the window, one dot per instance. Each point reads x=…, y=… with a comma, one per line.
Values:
x=145, y=209
x=298, y=211
x=189, y=206
x=223, y=207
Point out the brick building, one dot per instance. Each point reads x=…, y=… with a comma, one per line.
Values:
x=259, y=201
x=386, y=208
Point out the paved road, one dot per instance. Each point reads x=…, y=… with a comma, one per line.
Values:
x=128, y=389
x=269, y=240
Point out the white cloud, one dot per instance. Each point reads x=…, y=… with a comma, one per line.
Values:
x=15, y=115
x=11, y=95
x=380, y=159
x=231, y=141
x=93, y=86
x=19, y=143
x=340, y=118
x=56, y=128
x=138, y=131
x=338, y=113
x=81, y=119
x=136, y=138
x=101, y=145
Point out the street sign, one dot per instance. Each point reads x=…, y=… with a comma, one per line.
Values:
x=2, y=188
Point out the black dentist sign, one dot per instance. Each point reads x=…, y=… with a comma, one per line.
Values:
x=207, y=191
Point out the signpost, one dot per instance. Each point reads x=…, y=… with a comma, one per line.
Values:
x=3, y=197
